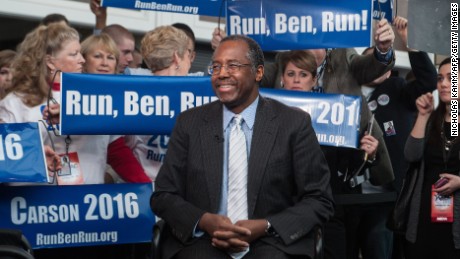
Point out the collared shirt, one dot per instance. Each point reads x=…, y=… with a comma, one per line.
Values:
x=249, y=116
x=384, y=57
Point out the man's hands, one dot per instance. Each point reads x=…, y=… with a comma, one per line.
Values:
x=400, y=25
x=384, y=36
x=231, y=237
x=369, y=144
x=99, y=12
x=217, y=36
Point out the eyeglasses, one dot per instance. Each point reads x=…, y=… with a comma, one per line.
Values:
x=230, y=68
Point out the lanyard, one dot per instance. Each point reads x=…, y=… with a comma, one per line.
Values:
x=447, y=145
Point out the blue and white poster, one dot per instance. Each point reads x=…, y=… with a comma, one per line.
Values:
x=79, y=215
x=197, y=7
x=383, y=9
x=302, y=24
x=22, y=157
x=148, y=105
x=335, y=117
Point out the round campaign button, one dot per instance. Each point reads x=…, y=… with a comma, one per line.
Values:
x=383, y=99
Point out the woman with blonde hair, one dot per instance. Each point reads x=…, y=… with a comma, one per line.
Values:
x=165, y=52
x=44, y=53
x=101, y=54
x=42, y=56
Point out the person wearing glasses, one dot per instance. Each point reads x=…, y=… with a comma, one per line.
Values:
x=279, y=171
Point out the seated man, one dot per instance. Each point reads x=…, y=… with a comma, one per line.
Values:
x=244, y=175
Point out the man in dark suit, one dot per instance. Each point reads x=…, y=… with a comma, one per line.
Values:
x=288, y=191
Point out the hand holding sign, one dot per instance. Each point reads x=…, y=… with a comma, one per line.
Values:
x=217, y=36
x=384, y=36
x=51, y=113
x=400, y=25
x=100, y=13
x=369, y=144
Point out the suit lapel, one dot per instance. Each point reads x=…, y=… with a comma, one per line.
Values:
x=212, y=146
x=263, y=139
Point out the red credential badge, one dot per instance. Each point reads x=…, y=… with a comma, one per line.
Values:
x=442, y=207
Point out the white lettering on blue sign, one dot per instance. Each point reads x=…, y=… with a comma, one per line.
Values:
x=335, y=114
x=334, y=140
x=189, y=100
x=11, y=147
x=21, y=213
x=248, y=26
x=332, y=22
x=376, y=14
x=79, y=237
x=147, y=105
x=166, y=7
x=293, y=24
x=102, y=206
x=89, y=104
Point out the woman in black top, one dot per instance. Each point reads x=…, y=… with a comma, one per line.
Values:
x=432, y=143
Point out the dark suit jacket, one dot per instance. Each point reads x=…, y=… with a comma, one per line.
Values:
x=288, y=177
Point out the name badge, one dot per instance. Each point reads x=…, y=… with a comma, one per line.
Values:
x=70, y=173
x=442, y=207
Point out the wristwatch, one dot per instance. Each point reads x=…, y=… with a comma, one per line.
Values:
x=269, y=230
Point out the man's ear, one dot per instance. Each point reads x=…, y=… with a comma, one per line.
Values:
x=259, y=73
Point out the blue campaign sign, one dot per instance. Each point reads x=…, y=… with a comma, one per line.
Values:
x=128, y=105
x=146, y=105
x=383, y=9
x=21, y=153
x=335, y=117
x=78, y=215
x=197, y=7
x=302, y=24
